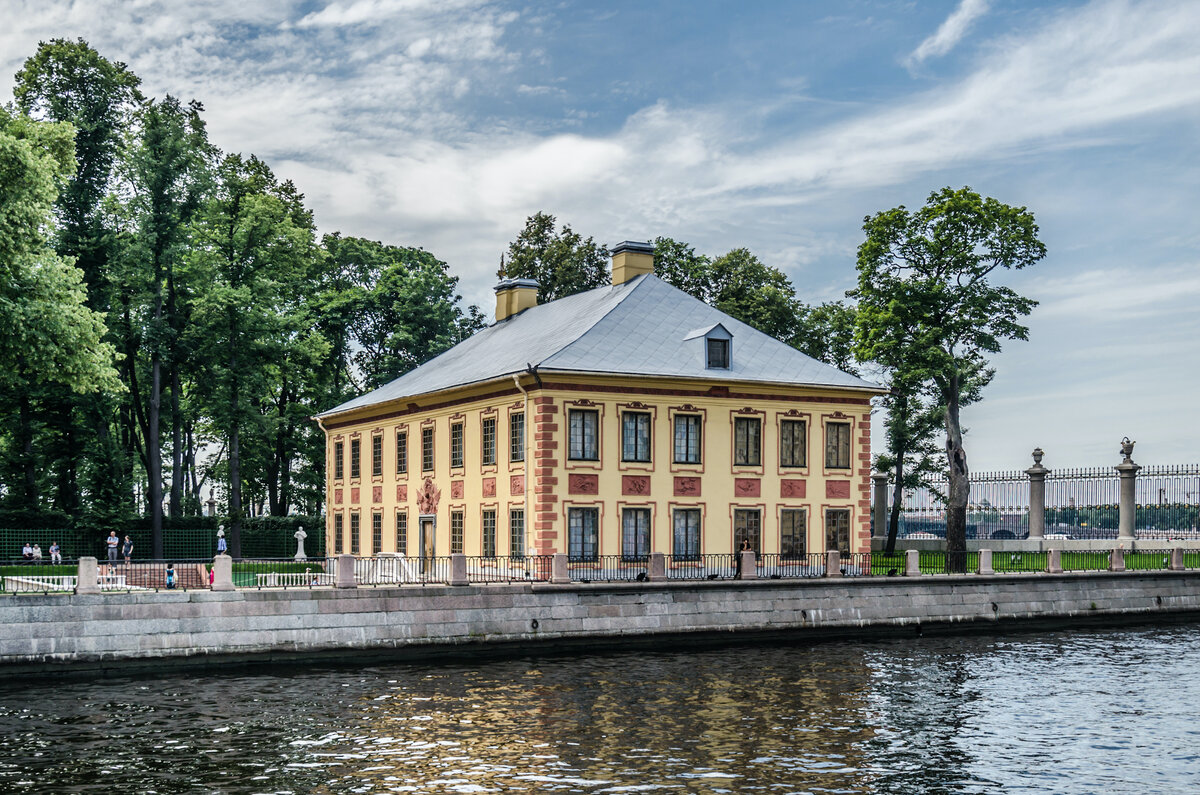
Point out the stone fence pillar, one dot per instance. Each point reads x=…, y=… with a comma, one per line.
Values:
x=458, y=569
x=222, y=573
x=912, y=563
x=1128, y=507
x=1116, y=560
x=1054, y=561
x=1037, y=495
x=88, y=579
x=559, y=574
x=833, y=563
x=879, y=514
x=1177, y=559
x=749, y=569
x=345, y=577
x=985, y=562
x=656, y=570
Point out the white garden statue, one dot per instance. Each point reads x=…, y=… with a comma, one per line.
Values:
x=300, y=535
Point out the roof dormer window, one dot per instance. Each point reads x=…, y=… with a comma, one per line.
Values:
x=718, y=353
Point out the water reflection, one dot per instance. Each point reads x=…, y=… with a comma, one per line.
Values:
x=1053, y=712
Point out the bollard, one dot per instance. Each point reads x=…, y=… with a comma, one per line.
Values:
x=1116, y=559
x=749, y=564
x=458, y=569
x=985, y=562
x=657, y=570
x=559, y=574
x=222, y=573
x=833, y=563
x=88, y=580
x=345, y=577
x=1177, y=559
x=912, y=563
x=1054, y=561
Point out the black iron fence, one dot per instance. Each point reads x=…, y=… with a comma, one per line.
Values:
x=1080, y=503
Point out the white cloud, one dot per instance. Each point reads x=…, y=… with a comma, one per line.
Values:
x=950, y=32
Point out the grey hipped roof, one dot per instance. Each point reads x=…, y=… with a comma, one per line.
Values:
x=644, y=327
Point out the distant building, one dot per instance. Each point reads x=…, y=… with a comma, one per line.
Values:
x=628, y=419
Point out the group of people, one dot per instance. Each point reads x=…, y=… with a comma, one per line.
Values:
x=113, y=543
x=33, y=553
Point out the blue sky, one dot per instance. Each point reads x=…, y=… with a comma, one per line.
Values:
x=771, y=125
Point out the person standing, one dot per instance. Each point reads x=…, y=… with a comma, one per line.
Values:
x=221, y=545
x=55, y=552
x=127, y=549
x=113, y=542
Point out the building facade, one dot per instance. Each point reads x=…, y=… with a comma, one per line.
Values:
x=622, y=421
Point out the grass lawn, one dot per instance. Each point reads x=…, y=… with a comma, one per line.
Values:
x=245, y=574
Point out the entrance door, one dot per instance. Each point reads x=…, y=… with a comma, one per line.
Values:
x=428, y=526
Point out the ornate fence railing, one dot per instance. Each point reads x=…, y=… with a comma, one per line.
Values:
x=1080, y=503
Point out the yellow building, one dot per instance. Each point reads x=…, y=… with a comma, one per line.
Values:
x=621, y=421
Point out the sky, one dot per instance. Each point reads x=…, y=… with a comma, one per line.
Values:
x=774, y=126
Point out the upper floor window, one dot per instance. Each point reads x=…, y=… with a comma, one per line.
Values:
x=339, y=463
x=456, y=444
x=583, y=443
x=837, y=445
x=747, y=441
x=792, y=440
x=488, y=432
x=376, y=456
x=635, y=436
x=516, y=437
x=426, y=449
x=355, y=458
x=401, y=452
x=718, y=354
x=687, y=439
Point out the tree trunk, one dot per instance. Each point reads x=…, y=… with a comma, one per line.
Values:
x=894, y=514
x=959, y=489
x=176, y=446
x=25, y=435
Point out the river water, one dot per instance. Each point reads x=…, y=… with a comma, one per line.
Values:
x=1081, y=712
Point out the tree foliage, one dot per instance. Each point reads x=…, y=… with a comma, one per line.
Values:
x=562, y=261
x=928, y=307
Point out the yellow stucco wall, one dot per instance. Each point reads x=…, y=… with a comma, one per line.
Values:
x=557, y=484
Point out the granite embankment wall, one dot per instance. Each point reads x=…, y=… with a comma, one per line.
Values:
x=128, y=631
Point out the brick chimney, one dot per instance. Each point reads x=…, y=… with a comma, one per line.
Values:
x=630, y=260
x=514, y=296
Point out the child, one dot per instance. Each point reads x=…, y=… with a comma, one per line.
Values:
x=170, y=575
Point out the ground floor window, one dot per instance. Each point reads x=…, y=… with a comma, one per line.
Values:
x=837, y=530
x=376, y=533
x=402, y=532
x=355, y=519
x=686, y=539
x=456, y=532
x=583, y=536
x=488, y=526
x=339, y=545
x=635, y=533
x=516, y=529
x=793, y=527
x=747, y=526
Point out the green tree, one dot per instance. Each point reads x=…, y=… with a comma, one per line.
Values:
x=68, y=81
x=912, y=457
x=563, y=262
x=926, y=306
x=168, y=177
x=254, y=248
x=49, y=338
x=826, y=333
